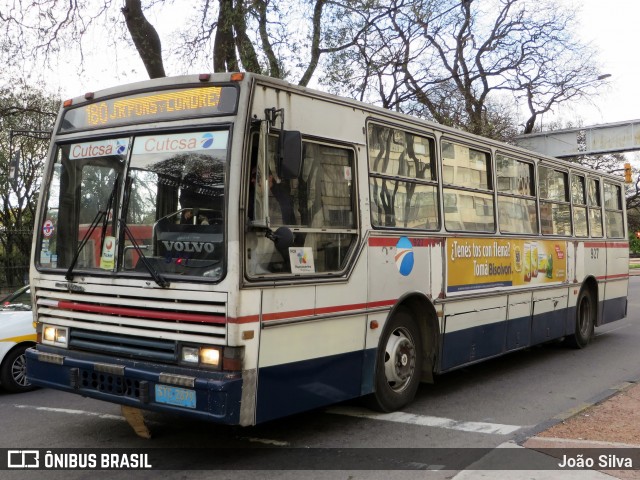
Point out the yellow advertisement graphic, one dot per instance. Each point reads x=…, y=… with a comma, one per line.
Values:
x=480, y=263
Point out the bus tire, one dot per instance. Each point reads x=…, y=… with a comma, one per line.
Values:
x=585, y=320
x=398, y=361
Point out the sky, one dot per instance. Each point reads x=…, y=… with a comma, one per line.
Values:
x=610, y=25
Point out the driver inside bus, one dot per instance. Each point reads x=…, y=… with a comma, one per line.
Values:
x=192, y=216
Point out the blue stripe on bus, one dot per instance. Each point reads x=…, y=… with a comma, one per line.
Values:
x=614, y=309
x=471, y=345
x=305, y=385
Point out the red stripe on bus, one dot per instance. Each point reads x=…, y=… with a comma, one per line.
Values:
x=245, y=319
x=138, y=312
x=606, y=244
x=393, y=241
x=617, y=244
x=282, y=315
x=310, y=312
x=612, y=277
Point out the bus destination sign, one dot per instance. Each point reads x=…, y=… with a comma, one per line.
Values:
x=152, y=107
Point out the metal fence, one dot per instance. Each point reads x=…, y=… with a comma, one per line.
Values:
x=15, y=247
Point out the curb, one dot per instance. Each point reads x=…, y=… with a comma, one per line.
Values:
x=531, y=434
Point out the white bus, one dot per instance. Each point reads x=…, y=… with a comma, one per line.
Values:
x=235, y=248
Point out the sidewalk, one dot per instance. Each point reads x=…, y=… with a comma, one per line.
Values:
x=611, y=423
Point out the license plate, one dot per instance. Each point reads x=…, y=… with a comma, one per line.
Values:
x=176, y=396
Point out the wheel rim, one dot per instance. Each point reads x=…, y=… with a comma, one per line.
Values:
x=399, y=359
x=19, y=371
x=584, y=317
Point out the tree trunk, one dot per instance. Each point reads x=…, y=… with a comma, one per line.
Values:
x=145, y=38
x=224, y=54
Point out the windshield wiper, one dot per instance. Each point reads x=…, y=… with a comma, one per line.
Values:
x=85, y=239
x=101, y=215
x=157, y=276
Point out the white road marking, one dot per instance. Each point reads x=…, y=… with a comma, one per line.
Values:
x=72, y=412
x=427, y=421
x=397, y=417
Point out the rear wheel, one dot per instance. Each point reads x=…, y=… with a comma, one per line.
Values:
x=585, y=320
x=398, y=364
x=13, y=373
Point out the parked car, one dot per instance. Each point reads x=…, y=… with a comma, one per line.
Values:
x=17, y=333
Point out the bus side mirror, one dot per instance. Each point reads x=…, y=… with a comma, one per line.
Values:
x=291, y=155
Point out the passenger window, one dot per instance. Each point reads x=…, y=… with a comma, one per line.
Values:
x=613, y=210
x=402, y=181
x=555, y=210
x=468, y=196
x=579, y=206
x=595, y=208
x=318, y=207
x=517, y=212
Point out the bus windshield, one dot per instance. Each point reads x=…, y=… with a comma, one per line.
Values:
x=170, y=218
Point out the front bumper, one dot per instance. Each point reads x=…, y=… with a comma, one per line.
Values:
x=211, y=396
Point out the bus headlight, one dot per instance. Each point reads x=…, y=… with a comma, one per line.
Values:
x=190, y=355
x=204, y=356
x=52, y=335
x=210, y=356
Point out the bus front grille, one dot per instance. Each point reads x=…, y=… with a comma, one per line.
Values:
x=123, y=345
x=123, y=323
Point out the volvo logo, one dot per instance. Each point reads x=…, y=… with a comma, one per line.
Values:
x=190, y=247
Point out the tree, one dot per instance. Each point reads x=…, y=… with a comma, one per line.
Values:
x=261, y=36
x=29, y=115
x=463, y=63
x=460, y=60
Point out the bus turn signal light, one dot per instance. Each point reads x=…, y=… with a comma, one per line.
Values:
x=627, y=173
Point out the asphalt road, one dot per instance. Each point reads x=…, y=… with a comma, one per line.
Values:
x=483, y=406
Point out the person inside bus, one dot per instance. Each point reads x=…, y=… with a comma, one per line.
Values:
x=190, y=216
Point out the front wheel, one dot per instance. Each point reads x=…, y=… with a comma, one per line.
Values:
x=585, y=320
x=13, y=373
x=398, y=364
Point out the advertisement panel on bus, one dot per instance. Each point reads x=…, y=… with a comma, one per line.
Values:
x=481, y=263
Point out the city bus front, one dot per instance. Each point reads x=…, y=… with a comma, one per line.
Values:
x=130, y=264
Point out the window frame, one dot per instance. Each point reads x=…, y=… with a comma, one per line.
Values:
x=575, y=204
x=407, y=180
x=619, y=210
x=350, y=255
x=533, y=196
x=597, y=207
x=554, y=202
x=490, y=191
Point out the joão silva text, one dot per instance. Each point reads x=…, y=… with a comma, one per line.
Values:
x=603, y=461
